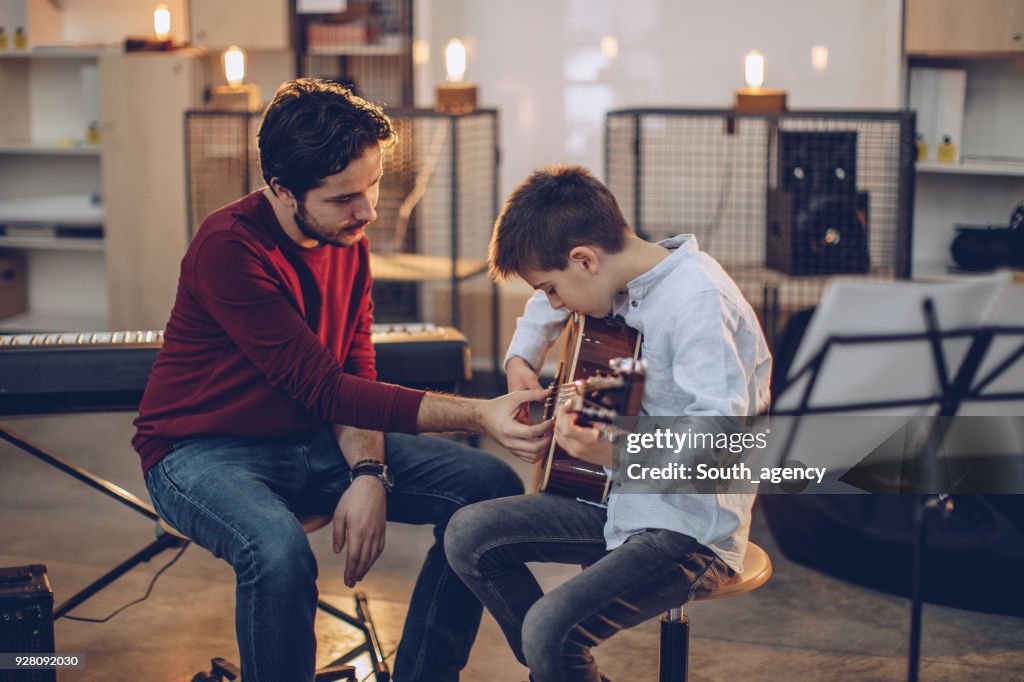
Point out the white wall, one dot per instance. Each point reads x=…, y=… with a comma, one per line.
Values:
x=540, y=63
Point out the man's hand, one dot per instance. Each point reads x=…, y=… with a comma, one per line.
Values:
x=521, y=377
x=360, y=521
x=581, y=442
x=498, y=418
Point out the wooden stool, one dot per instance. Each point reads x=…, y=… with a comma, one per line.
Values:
x=675, y=625
x=362, y=621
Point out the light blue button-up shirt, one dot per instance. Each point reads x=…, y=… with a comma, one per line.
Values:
x=706, y=356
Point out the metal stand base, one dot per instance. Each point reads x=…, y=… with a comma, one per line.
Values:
x=675, y=649
x=163, y=540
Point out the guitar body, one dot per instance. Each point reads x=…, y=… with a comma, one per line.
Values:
x=590, y=344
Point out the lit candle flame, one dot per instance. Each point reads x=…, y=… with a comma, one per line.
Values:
x=753, y=69
x=819, y=58
x=162, y=22
x=455, y=60
x=234, y=65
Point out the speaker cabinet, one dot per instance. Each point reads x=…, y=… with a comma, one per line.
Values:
x=26, y=619
x=817, y=234
x=818, y=162
x=817, y=220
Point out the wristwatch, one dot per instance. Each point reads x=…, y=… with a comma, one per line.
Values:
x=373, y=467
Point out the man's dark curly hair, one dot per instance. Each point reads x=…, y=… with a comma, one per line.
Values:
x=314, y=128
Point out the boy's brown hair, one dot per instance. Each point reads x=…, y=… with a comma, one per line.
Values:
x=554, y=210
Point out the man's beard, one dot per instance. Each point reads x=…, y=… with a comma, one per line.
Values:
x=311, y=229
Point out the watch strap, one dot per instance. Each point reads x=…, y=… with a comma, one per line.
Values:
x=375, y=468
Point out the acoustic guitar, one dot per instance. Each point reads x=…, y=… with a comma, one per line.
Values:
x=601, y=372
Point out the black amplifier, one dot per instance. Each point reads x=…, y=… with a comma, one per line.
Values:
x=26, y=619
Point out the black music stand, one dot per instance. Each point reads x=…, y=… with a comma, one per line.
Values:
x=921, y=474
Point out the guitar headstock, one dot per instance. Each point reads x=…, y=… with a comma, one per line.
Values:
x=604, y=397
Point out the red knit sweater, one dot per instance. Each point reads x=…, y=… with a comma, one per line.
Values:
x=266, y=339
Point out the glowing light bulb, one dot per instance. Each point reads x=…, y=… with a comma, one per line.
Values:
x=420, y=51
x=610, y=47
x=455, y=60
x=753, y=69
x=162, y=22
x=819, y=58
x=234, y=65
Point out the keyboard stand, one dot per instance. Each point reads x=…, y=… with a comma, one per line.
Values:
x=164, y=541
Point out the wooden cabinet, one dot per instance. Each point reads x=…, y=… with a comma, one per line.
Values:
x=250, y=24
x=956, y=27
x=143, y=99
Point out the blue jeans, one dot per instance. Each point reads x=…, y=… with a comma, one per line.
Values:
x=239, y=497
x=489, y=544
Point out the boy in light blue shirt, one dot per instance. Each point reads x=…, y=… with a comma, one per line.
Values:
x=562, y=231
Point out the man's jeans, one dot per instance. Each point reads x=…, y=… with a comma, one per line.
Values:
x=239, y=497
x=488, y=545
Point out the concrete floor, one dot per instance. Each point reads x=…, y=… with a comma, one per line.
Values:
x=802, y=625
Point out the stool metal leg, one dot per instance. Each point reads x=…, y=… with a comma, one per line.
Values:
x=371, y=642
x=675, y=646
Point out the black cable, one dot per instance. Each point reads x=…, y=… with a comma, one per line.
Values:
x=140, y=599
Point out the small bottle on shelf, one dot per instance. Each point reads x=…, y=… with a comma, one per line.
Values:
x=922, y=148
x=946, y=152
x=3, y=38
x=20, y=39
x=93, y=134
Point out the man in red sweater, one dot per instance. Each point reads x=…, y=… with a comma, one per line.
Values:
x=263, y=403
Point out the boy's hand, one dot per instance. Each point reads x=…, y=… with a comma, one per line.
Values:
x=521, y=377
x=582, y=442
x=498, y=417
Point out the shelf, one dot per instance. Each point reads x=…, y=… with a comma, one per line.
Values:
x=70, y=209
x=972, y=168
x=371, y=50
x=414, y=267
x=49, y=149
x=51, y=243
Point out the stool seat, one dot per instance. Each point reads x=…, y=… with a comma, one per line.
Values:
x=170, y=530
x=315, y=522
x=757, y=569
x=674, y=651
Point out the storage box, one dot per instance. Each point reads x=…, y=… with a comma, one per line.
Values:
x=13, y=294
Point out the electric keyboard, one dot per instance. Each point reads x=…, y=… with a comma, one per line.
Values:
x=83, y=371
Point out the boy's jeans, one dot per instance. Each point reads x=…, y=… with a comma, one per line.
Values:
x=239, y=497
x=489, y=544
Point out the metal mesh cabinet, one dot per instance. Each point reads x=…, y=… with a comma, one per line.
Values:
x=438, y=202
x=786, y=202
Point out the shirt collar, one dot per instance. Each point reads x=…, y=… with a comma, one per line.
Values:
x=681, y=246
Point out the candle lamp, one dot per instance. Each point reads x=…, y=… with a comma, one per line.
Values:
x=236, y=95
x=755, y=99
x=455, y=96
x=161, y=39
